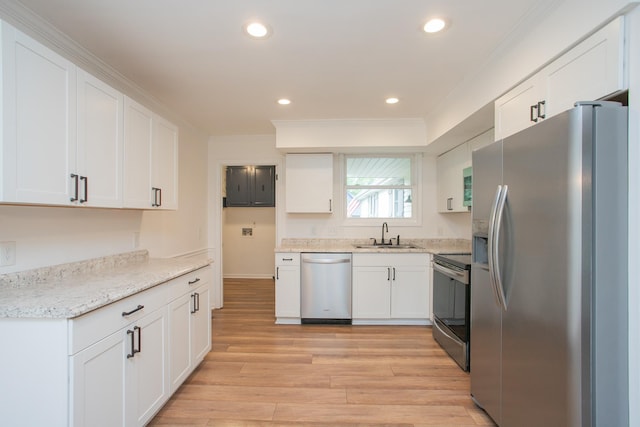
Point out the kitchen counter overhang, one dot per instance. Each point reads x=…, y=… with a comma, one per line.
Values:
x=433, y=246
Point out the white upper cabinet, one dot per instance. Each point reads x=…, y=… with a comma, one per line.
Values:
x=38, y=122
x=164, y=164
x=150, y=159
x=138, y=128
x=450, y=175
x=590, y=71
x=99, y=155
x=70, y=139
x=309, y=183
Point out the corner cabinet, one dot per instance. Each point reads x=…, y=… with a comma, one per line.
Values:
x=287, y=287
x=391, y=288
x=590, y=71
x=450, y=179
x=309, y=183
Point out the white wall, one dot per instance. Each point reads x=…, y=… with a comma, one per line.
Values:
x=248, y=256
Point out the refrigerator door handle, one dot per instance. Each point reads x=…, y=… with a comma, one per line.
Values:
x=490, y=243
x=502, y=201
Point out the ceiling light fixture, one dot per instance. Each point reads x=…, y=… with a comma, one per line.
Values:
x=257, y=30
x=434, y=25
x=284, y=101
x=392, y=100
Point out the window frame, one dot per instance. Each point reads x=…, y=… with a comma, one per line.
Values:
x=416, y=191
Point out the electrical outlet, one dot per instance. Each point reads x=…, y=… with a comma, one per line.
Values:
x=7, y=253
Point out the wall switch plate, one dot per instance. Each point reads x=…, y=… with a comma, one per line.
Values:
x=7, y=253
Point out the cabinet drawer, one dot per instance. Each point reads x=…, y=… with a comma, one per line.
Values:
x=94, y=326
x=288, y=258
x=188, y=282
x=383, y=260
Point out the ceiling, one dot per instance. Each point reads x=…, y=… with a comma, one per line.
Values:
x=335, y=59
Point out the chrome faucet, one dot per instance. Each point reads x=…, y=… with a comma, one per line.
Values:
x=384, y=226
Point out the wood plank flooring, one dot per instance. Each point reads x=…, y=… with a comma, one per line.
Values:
x=262, y=374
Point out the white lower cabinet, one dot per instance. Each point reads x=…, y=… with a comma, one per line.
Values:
x=190, y=326
x=113, y=366
x=287, y=287
x=392, y=287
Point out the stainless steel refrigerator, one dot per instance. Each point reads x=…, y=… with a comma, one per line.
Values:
x=549, y=273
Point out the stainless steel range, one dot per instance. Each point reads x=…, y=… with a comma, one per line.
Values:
x=451, y=305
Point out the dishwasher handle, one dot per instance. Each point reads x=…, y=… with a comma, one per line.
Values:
x=326, y=261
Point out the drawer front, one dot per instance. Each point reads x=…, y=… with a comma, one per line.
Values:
x=287, y=258
x=395, y=260
x=98, y=324
x=188, y=282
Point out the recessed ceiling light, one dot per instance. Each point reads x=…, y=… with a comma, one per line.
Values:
x=257, y=30
x=284, y=101
x=434, y=25
x=391, y=100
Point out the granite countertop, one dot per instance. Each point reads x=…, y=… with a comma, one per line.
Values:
x=434, y=246
x=71, y=290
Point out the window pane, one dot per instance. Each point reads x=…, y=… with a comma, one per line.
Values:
x=379, y=203
x=385, y=171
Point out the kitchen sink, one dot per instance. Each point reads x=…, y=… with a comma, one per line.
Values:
x=387, y=247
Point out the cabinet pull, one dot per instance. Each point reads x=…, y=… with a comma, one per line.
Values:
x=157, y=197
x=127, y=313
x=133, y=351
x=196, y=280
x=86, y=189
x=139, y=329
x=330, y=206
x=449, y=204
x=394, y=274
x=388, y=273
x=193, y=303
x=542, y=110
x=197, y=301
x=533, y=116
x=287, y=259
x=277, y=273
x=75, y=179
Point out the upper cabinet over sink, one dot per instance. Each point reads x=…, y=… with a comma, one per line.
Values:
x=590, y=71
x=62, y=136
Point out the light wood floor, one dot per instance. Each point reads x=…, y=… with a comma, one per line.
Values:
x=262, y=374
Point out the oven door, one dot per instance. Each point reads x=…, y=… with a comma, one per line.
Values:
x=451, y=312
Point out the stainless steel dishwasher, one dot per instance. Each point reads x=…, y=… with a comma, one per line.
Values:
x=325, y=288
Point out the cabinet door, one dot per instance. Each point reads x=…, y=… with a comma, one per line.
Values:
x=309, y=183
x=238, y=184
x=287, y=291
x=98, y=383
x=201, y=324
x=99, y=162
x=264, y=185
x=410, y=292
x=180, y=340
x=147, y=373
x=450, y=167
x=590, y=71
x=371, y=297
x=164, y=163
x=39, y=113
x=513, y=111
x=138, y=128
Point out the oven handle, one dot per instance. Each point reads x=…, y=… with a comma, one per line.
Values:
x=460, y=276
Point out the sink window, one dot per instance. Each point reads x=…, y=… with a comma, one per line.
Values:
x=380, y=187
